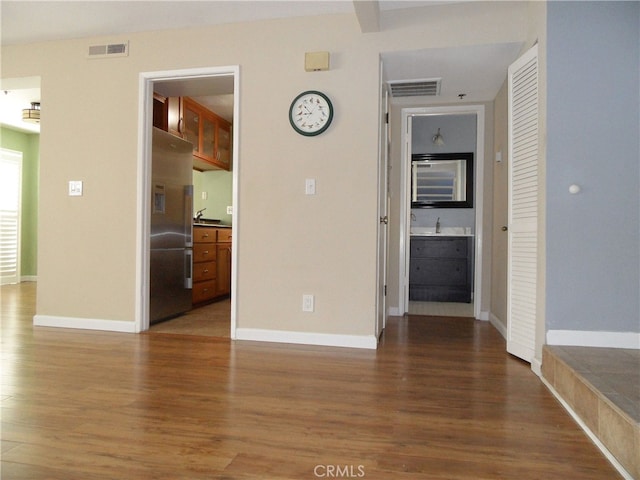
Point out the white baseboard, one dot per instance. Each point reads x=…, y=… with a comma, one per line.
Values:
x=497, y=323
x=536, y=366
x=304, y=338
x=594, y=339
x=29, y=278
x=483, y=315
x=84, y=323
x=395, y=312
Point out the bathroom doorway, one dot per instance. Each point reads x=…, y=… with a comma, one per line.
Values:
x=460, y=129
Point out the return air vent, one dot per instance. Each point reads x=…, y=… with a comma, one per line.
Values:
x=109, y=50
x=429, y=87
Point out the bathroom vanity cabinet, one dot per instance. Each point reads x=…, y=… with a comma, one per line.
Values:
x=440, y=269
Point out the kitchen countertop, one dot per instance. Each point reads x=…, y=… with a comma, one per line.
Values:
x=215, y=225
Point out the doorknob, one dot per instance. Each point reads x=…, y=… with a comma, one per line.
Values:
x=384, y=220
x=504, y=228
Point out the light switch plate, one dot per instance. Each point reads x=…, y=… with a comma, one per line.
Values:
x=229, y=210
x=75, y=188
x=310, y=186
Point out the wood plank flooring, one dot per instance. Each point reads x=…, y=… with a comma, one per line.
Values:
x=211, y=320
x=440, y=399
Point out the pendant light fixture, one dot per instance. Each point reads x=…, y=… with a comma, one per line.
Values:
x=32, y=115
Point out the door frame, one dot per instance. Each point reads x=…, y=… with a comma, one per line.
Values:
x=405, y=204
x=383, y=212
x=143, y=214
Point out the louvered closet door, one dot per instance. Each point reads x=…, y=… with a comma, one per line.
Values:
x=523, y=205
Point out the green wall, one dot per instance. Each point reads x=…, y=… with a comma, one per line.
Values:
x=218, y=185
x=29, y=145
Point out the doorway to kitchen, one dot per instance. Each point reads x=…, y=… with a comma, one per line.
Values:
x=428, y=128
x=201, y=90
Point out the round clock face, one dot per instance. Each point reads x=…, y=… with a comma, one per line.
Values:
x=311, y=113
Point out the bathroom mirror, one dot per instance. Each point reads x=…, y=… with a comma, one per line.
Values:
x=442, y=180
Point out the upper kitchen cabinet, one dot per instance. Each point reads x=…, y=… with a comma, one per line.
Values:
x=223, y=143
x=209, y=134
x=175, y=121
x=160, y=111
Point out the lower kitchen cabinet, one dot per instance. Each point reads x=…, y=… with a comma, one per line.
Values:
x=211, y=263
x=204, y=264
x=440, y=269
x=223, y=262
x=223, y=265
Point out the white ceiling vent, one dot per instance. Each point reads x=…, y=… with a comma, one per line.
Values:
x=429, y=87
x=109, y=50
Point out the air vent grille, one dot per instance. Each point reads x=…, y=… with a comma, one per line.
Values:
x=415, y=88
x=109, y=50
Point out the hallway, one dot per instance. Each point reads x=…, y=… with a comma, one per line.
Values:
x=440, y=399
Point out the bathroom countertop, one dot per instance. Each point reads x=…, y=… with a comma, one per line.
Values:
x=444, y=232
x=441, y=234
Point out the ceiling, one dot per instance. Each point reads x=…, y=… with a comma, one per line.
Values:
x=477, y=71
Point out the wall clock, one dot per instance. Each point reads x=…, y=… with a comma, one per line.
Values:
x=311, y=113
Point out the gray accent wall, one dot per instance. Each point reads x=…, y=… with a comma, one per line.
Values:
x=593, y=140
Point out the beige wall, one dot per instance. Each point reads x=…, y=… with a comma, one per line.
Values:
x=289, y=243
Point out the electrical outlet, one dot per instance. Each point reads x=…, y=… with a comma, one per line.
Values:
x=205, y=195
x=75, y=188
x=307, y=303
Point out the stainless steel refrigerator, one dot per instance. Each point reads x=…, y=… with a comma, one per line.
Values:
x=171, y=226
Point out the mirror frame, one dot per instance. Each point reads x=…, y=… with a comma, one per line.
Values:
x=434, y=157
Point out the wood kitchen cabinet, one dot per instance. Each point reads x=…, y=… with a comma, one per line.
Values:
x=223, y=144
x=211, y=263
x=175, y=116
x=223, y=262
x=204, y=264
x=209, y=134
x=160, y=111
x=440, y=269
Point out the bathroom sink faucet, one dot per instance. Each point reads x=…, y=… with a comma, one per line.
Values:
x=199, y=214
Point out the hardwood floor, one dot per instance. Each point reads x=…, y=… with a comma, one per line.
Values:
x=440, y=399
x=211, y=320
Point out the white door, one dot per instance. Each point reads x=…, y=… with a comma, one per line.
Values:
x=523, y=205
x=383, y=212
x=10, y=188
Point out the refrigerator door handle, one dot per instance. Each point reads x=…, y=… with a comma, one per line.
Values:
x=188, y=215
x=188, y=262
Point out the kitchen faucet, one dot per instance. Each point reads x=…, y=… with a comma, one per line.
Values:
x=199, y=214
